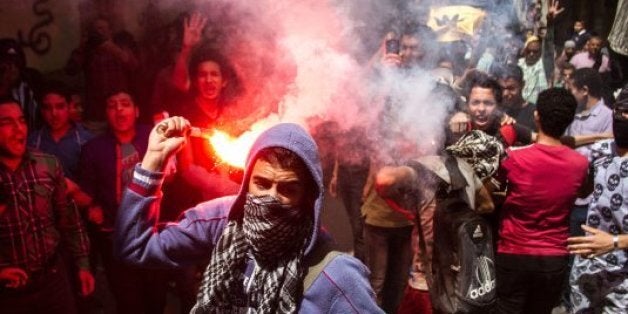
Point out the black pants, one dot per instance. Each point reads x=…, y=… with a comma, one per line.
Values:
x=351, y=181
x=136, y=290
x=529, y=284
x=47, y=291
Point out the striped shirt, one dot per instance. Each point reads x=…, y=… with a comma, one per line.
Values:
x=35, y=215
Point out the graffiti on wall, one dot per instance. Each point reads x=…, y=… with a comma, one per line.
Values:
x=37, y=38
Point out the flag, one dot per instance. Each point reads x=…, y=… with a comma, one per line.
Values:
x=456, y=22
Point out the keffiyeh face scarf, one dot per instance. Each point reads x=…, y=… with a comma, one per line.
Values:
x=276, y=235
x=482, y=151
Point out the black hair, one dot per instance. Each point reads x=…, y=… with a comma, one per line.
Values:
x=205, y=54
x=282, y=157
x=556, y=108
x=117, y=90
x=508, y=71
x=8, y=99
x=54, y=87
x=591, y=79
x=483, y=80
x=567, y=65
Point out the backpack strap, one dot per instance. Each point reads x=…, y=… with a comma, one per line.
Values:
x=315, y=270
x=322, y=253
x=427, y=267
x=458, y=181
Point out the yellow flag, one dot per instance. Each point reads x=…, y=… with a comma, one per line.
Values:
x=455, y=22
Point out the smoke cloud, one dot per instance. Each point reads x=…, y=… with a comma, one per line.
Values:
x=312, y=60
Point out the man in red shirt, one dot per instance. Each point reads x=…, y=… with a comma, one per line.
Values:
x=543, y=180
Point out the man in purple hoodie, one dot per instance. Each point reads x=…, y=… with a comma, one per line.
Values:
x=265, y=243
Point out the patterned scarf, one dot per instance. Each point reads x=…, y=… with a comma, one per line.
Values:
x=277, y=236
x=480, y=150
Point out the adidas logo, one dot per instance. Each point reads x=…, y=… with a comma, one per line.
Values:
x=478, y=232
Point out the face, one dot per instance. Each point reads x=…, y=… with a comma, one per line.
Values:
x=579, y=94
x=578, y=26
x=209, y=80
x=284, y=184
x=121, y=112
x=482, y=105
x=56, y=111
x=570, y=51
x=410, y=50
x=511, y=91
x=594, y=45
x=567, y=75
x=76, y=108
x=13, y=131
x=532, y=52
x=9, y=74
x=102, y=28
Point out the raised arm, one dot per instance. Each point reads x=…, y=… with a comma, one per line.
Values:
x=138, y=239
x=192, y=36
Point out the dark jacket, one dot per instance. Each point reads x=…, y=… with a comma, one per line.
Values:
x=97, y=169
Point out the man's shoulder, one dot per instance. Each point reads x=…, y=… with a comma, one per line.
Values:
x=217, y=208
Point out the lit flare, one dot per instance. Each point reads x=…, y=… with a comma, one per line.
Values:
x=233, y=150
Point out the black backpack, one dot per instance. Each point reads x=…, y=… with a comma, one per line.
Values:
x=461, y=277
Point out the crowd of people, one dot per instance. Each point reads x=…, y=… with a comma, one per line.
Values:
x=106, y=177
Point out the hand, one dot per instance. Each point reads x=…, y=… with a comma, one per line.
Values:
x=13, y=277
x=391, y=60
x=506, y=120
x=87, y=282
x=595, y=244
x=165, y=140
x=554, y=9
x=333, y=186
x=193, y=29
x=95, y=215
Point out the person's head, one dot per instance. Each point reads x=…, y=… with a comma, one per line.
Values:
x=594, y=45
x=570, y=48
x=121, y=111
x=101, y=29
x=484, y=95
x=555, y=110
x=566, y=74
x=510, y=79
x=210, y=75
x=587, y=86
x=620, y=119
x=55, y=106
x=532, y=50
x=578, y=26
x=12, y=60
x=13, y=129
x=280, y=173
x=412, y=44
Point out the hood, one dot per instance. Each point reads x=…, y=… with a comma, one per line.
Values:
x=294, y=138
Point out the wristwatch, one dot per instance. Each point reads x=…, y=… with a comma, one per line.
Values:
x=615, y=241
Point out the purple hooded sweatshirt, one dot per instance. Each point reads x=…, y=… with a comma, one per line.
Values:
x=341, y=287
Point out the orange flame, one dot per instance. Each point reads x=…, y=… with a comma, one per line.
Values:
x=234, y=150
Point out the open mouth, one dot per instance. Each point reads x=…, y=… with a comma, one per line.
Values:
x=480, y=120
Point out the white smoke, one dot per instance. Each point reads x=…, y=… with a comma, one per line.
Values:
x=307, y=59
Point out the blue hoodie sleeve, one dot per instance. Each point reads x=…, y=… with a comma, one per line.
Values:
x=139, y=241
x=342, y=287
